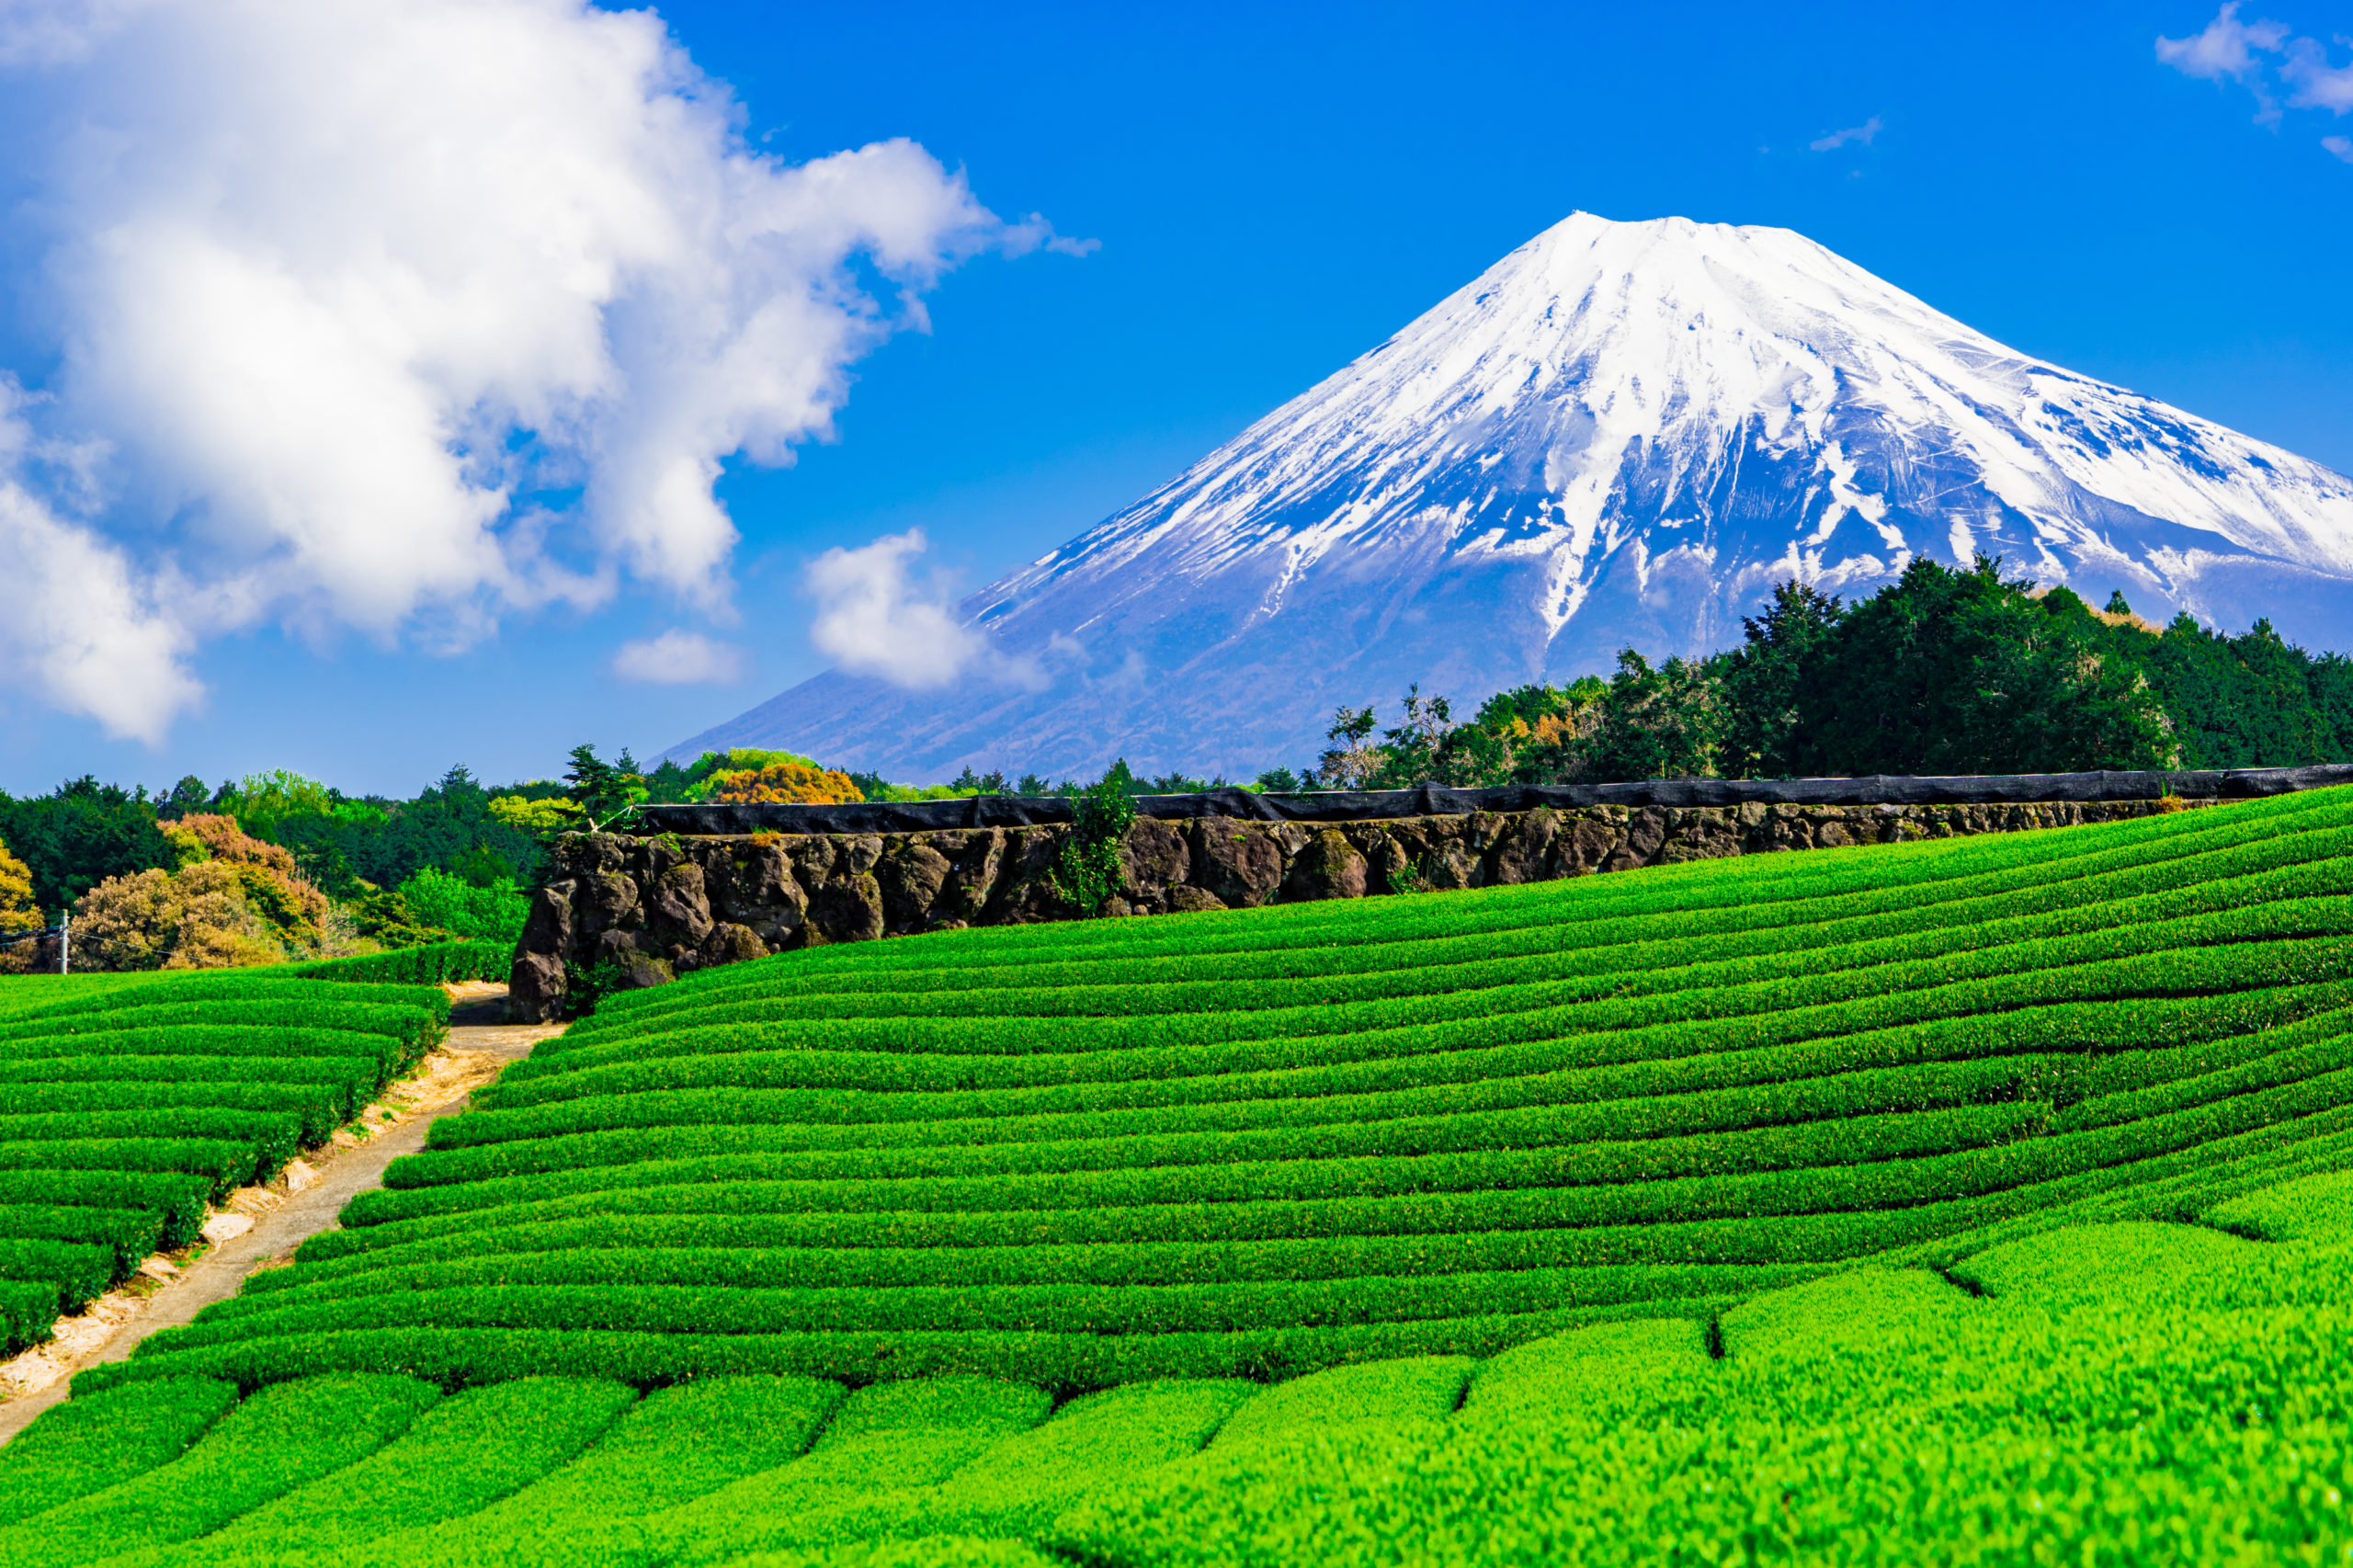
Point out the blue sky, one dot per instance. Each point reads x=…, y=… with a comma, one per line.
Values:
x=1276, y=189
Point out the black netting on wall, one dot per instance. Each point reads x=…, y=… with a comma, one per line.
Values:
x=1430, y=800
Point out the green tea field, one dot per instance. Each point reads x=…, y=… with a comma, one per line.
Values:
x=129, y=1102
x=1968, y=1200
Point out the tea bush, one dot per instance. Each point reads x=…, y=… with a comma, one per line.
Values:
x=1820, y=1208
x=1255, y=1142
x=2113, y=1393
x=125, y=1106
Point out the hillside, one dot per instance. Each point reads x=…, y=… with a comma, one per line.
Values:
x=1826, y=1206
x=1622, y=434
x=1262, y=1141
x=129, y=1102
x=2114, y=1394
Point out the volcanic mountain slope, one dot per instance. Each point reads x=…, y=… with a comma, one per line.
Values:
x=1621, y=433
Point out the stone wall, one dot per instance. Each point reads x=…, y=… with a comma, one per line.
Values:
x=657, y=908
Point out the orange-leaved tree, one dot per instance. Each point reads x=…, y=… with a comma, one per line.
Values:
x=274, y=885
x=231, y=900
x=785, y=784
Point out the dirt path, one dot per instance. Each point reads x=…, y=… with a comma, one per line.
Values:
x=260, y=1227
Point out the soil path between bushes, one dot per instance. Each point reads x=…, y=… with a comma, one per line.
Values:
x=478, y=1049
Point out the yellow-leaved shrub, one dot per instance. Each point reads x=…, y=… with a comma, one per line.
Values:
x=549, y=814
x=18, y=913
x=785, y=784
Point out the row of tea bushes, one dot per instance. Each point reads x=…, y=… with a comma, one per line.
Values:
x=1073, y=1157
x=2110, y=1394
x=125, y=1109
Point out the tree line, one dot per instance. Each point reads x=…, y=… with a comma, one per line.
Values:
x=84, y=832
x=1945, y=671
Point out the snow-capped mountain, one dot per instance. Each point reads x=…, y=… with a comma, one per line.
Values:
x=1620, y=433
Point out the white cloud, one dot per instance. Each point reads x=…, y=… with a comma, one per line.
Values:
x=2226, y=49
x=341, y=288
x=1837, y=139
x=873, y=620
x=82, y=632
x=48, y=32
x=2340, y=147
x=678, y=658
x=2317, y=84
x=1034, y=233
x=2229, y=49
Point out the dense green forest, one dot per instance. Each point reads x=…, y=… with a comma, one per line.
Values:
x=271, y=867
x=84, y=832
x=1945, y=671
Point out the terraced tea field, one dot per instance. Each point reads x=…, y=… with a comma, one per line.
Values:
x=129, y=1102
x=1257, y=1143
x=2115, y=1395
x=1971, y=1198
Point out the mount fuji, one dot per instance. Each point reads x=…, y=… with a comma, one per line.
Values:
x=1621, y=433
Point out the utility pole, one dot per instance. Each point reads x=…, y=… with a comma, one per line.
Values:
x=65, y=944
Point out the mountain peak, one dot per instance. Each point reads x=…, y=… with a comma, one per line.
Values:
x=1621, y=433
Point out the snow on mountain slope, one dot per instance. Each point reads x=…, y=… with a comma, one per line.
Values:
x=1620, y=433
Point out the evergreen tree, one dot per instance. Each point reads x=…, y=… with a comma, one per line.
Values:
x=81, y=834
x=1952, y=671
x=1763, y=680
x=1350, y=759
x=1414, y=750
x=1664, y=722
x=604, y=792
